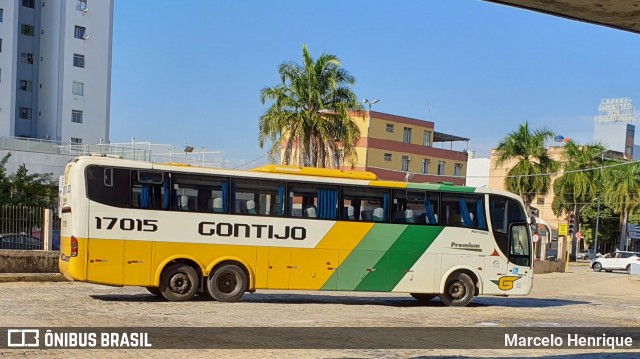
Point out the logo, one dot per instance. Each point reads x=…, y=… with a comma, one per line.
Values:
x=466, y=246
x=506, y=282
x=23, y=338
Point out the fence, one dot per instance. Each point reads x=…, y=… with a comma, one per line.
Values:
x=29, y=228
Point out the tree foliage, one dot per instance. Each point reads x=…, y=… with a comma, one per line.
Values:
x=622, y=192
x=309, y=115
x=530, y=176
x=580, y=183
x=24, y=189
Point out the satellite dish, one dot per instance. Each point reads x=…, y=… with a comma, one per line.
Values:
x=558, y=138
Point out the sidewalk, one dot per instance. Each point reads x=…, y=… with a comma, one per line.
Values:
x=31, y=277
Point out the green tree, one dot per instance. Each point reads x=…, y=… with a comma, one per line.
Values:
x=24, y=189
x=622, y=193
x=310, y=113
x=529, y=177
x=580, y=183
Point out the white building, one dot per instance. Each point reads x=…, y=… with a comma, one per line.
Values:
x=477, y=171
x=55, y=69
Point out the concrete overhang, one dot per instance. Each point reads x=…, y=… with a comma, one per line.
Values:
x=618, y=14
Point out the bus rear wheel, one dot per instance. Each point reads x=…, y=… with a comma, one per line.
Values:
x=423, y=297
x=458, y=291
x=179, y=282
x=227, y=283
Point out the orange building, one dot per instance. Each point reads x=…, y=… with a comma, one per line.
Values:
x=390, y=146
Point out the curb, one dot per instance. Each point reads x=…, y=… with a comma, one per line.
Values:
x=31, y=277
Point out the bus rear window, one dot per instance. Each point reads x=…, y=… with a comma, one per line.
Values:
x=110, y=186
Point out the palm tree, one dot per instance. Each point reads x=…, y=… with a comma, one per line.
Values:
x=530, y=176
x=622, y=193
x=309, y=117
x=579, y=184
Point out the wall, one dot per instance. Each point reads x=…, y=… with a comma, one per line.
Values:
x=15, y=261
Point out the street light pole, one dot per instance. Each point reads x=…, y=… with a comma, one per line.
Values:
x=595, y=246
x=366, y=160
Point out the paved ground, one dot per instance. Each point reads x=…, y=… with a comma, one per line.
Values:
x=580, y=298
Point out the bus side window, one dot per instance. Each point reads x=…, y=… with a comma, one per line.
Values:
x=109, y=186
x=199, y=193
x=415, y=207
x=311, y=201
x=462, y=210
x=367, y=204
x=258, y=197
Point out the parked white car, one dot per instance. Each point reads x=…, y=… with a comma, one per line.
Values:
x=617, y=261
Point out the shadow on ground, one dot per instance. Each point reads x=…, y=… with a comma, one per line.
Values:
x=257, y=298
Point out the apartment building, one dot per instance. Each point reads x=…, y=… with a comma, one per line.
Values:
x=392, y=146
x=55, y=69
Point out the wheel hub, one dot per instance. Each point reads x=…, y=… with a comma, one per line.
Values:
x=179, y=283
x=457, y=290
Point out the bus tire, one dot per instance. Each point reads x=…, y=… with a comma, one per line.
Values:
x=423, y=297
x=155, y=291
x=179, y=282
x=227, y=283
x=458, y=291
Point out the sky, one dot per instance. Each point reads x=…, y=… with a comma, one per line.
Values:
x=193, y=74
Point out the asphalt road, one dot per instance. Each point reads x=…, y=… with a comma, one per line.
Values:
x=579, y=298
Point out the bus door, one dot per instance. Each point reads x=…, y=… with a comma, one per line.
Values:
x=520, y=266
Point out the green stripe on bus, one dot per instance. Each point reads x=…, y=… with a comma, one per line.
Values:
x=364, y=256
x=400, y=258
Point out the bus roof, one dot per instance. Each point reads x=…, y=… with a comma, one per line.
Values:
x=294, y=173
x=319, y=172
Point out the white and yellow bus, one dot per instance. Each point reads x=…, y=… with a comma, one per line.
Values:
x=181, y=231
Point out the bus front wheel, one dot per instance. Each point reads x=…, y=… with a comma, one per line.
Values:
x=227, y=283
x=458, y=291
x=179, y=282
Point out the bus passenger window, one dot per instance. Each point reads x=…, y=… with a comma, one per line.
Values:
x=258, y=197
x=310, y=201
x=365, y=204
x=199, y=193
x=148, y=190
x=464, y=211
x=415, y=207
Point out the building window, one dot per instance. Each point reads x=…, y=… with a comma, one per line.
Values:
x=441, y=167
x=26, y=57
x=78, y=88
x=25, y=113
x=425, y=166
x=81, y=5
x=78, y=60
x=540, y=200
x=1, y=15
x=76, y=116
x=0, y=45
x=405, y=163
x=427, y=139
x=27, y=30
x=407, y=135
x=387, y=157
x=79, y=32
x=390, y=127
x=26, y=85
x=457, y=170
x=28, y=3
x=76, y=140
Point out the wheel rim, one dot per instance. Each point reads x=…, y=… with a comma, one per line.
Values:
x=180, y=283
x=457, y=290
x=227, y=282
x=597, y=266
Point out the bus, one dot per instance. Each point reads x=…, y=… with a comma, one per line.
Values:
x=182, y=231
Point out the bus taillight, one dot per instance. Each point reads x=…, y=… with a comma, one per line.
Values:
x=74, y=246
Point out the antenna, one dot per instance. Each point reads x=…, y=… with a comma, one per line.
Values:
x=429, y=110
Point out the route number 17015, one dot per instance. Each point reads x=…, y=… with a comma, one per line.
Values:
x=127, y=224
